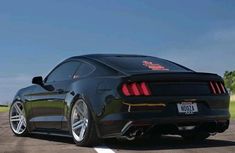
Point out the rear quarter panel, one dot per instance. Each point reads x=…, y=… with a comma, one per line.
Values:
x=96, y=91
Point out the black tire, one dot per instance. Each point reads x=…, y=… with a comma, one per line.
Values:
x=195, y=136
x=19, y=134
x=90, y=136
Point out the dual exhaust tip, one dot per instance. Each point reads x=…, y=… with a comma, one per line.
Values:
x=131, y=131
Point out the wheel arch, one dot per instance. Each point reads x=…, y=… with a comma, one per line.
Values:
x=15, y=100
x=86, y=100
x=19, y=98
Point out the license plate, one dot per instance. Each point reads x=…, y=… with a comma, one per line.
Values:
x=187, y=107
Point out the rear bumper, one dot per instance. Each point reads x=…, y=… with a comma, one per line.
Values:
x=213, y=110
x=117, y=125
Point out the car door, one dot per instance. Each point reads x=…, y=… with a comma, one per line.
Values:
x=48, y=105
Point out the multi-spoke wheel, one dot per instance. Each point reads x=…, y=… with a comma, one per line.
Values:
x=18, y=119
x=82, y=125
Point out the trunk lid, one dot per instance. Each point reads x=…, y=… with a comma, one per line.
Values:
x=179, y=84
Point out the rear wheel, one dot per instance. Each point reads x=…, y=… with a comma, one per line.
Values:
x=82, y=124
x=17, y=119
x=195, y=136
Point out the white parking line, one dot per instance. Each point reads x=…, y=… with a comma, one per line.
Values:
x=103, y=149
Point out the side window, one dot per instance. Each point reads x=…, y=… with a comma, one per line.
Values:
x=83, y=70
x=63, y=72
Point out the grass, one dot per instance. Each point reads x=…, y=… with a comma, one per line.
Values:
x=232, y=109
x=232, y=98
x=4, y=109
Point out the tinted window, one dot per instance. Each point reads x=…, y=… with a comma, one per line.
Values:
x=63, y=72
x=83, y=70
x=142, y=64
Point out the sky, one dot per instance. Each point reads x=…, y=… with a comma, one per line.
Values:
x=37, y=35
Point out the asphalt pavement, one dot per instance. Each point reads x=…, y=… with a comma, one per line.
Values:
x=221, y=143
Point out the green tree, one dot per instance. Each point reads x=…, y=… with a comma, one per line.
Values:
x=229, y=80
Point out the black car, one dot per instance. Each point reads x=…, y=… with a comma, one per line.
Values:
x=121, y=96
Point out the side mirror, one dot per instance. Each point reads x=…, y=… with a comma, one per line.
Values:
x=38, y=80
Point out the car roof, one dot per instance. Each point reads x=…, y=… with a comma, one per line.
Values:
x=98, y=56
x=102, y=58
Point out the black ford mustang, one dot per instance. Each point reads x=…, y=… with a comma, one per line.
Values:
x=121, y=96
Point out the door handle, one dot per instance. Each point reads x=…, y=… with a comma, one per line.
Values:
x=60, y=91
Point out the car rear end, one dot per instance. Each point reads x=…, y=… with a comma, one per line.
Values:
x=159, y=96
x=173, y=103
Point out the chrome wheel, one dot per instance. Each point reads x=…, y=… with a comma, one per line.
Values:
x=17, y=118
x=79, y=120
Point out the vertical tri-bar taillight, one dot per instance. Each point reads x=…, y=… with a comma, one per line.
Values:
x=217, y=88
x=136, y=89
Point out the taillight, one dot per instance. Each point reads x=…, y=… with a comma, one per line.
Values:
x=222, y=87
x=213, y=88
x=145, y=89
x=217, y=88
x=136, y=89
x=125, y=90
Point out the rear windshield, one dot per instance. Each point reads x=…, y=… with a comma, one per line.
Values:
x=143, y=64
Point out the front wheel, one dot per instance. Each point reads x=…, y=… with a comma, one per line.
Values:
x=82, y=124
x=17, y=119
